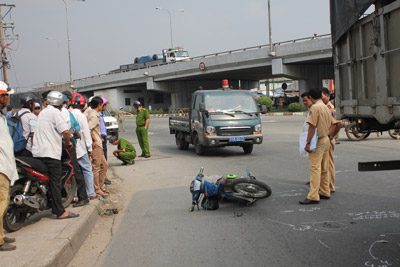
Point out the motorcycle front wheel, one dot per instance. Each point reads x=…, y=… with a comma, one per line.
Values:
x=14, y=218
x=68, y=191
x=251, y=188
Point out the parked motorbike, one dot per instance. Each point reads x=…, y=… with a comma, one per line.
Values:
x=209, y=194
x=30, y=193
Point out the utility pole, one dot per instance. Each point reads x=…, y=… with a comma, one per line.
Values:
x=4, y=61
x=3, y=49
x=271, y=48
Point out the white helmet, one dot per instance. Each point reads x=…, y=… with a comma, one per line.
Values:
x=55, y=98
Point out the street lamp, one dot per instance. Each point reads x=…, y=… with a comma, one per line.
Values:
x=170, y=20
x=69, y=42
x=271, y=50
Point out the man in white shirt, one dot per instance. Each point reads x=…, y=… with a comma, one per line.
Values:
x=8, y=170
x=26, y=114
x=47, y=146
x=73, y=123
x=84, y=144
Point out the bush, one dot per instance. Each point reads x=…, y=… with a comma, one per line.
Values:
x=294, y=107
x=265, y=100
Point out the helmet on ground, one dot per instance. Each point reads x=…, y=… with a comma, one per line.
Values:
x=55, y=98
x=27, y=99
x=137, y=104
x=4, y=89
x=105, y=101
x=78, y=101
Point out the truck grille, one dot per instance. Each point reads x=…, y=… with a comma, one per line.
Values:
x=108, y=124
x=235, y=131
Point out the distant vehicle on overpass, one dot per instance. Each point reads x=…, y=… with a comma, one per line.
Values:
x=168, y=56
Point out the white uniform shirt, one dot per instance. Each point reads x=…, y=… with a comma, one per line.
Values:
x=27, y=128
x=306, y=125
x=7, y=160
x=85, y=143
x=47, y=140
x=67, y=118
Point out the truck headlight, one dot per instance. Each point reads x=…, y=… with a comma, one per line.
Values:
x=113, y=123
x=257, y=128
x=210, y=129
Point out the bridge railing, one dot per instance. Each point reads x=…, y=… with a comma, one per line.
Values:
x=314, y=37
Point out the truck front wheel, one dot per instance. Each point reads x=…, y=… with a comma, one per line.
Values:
x=247, y=148
x=180, y=142
x=198, y=147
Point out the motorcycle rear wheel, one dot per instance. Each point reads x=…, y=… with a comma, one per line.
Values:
x=68, y=191
x=14, y=218
x=251, y=188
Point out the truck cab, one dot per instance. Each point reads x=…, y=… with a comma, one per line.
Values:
x=219, y=118
x=175, y=54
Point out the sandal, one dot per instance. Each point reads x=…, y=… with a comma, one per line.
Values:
x=102, y=194
x=70, y=215
x=93, y=197
x=105, y=191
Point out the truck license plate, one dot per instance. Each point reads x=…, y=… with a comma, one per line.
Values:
x=236, y=139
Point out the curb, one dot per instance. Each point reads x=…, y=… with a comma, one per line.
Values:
x=63, y=248
x=268, y=114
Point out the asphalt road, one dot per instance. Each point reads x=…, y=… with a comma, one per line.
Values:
x=358, y=226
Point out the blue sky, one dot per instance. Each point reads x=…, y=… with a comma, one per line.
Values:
x=106, y=34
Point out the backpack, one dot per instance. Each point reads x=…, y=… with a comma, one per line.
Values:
x=16, y=132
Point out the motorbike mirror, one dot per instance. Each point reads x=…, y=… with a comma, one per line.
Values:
x=33, y=123
x=248, y=172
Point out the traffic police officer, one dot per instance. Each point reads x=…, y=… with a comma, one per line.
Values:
x=142, y=128
x=320, y=120
x=331, y=172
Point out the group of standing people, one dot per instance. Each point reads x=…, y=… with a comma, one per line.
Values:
x=66, y=126
x=321, y=117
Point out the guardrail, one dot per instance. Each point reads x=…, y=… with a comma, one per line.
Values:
x=214, y=55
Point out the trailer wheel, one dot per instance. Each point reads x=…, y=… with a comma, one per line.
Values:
x=181, y=143
x=353, y=134
x=394, y=133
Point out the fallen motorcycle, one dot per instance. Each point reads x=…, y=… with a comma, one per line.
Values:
x=30, y=193
x=209, y=194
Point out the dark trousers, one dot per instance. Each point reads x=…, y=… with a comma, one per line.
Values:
x=55, y=174
x=80, y=181
x=24, y=153
x=104, y=145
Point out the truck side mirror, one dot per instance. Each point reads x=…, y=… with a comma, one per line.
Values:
x=202, y=107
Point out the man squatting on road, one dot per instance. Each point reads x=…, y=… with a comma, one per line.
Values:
x=126, y=151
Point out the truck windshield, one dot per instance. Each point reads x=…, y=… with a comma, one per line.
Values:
x=230, y=103
x=182, y=53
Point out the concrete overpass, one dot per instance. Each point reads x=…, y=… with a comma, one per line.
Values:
x=308, y=60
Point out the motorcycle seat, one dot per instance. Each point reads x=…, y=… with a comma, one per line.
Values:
x=35, y=164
